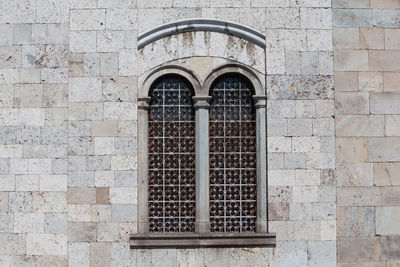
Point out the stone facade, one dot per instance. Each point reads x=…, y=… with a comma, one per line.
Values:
x=367, y=136
x=70, y=76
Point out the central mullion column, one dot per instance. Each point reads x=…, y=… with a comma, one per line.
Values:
x=261, y=136
x=202, y=108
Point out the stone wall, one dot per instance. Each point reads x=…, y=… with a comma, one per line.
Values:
x=70, y=74
x=367, y=104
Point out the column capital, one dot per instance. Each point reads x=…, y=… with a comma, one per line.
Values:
x=144, y=103
x=201, y=102
x=260, y=101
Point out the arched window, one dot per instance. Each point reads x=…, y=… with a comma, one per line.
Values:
x=233, y=173
x=171, y=156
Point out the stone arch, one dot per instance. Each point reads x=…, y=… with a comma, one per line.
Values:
x=233, y=68
x=200, y=24
x=169, y=69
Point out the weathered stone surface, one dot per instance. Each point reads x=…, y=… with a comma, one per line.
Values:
x=82, y=231
x=355, y=221
x=390, y=196
x=387, y=174
x=46, y=244
x=359, y=125
x=386, y=220
x=100, y=254
x=386, y=18
x=352, y=17
x=390, y=247
x=354, y=174
x=372, y=38
x=385, y=103
x=352, y=103
x=370, y=81
x=383, y=149
x=290, y=254
x=351, y=149
x=321, y=253
x=359, y=249
x=358, y=196
x=392, y=125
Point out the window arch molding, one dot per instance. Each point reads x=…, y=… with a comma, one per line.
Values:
x=201, y=100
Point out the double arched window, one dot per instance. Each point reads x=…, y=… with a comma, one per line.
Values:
x=202, y=153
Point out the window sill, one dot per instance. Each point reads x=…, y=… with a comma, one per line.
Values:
x=209, y=240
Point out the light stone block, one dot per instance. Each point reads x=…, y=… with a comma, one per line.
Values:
x=390, y=196
x=53, y=183
x=387, y=174
x=323, y=127
x=293, y=39
x=352, y=60
x=276, y=61
x=126, y=162
x=351, y=149
x=55, y=223
x=319, y=40
x=87, y=19
x=7, y=182
x=279, y=144
x=49, y=202
x=392, y=39
x=360, y=125
x=120, y=111
x=9, y=116
x=281, y=177
x=300, y=211
x=84, y=90
x=324, y=211
x=355, y=221
x=386, y=18
x=6, y=34
x=307, y=230
x=307, y=177
x=104, y=145
x=370, y=81
x=346, y=38
x=29, y=223
x=101, y=213
x=390, y=248
x=383, y=60
x=372, y=38
x=358, y=196
x=9, y=76
x=385, y=103
x=123, y=195
x=315, y=18
x=352, y=103
x=304, y=193
x=46, y=244
x=306, y=144
x=321, y=253
x=383, y=149
x=346, y=81
x=323, y=160
x=328, y=230
x=80, y=213
x=121, y=19
x=354, y=174
x=282, y=18
x=79, y=255
x=27, y=182
x=352, y=17
x=292, y=253
x=392, y=125
x=83, y=41
x=325, y=63
x=52, y=11
x=124, y=213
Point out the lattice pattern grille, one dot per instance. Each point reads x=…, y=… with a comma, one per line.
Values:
x=171, y=157
x=232, y=156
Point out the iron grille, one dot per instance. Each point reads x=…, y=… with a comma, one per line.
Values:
x=171, y=157
x=232, y=156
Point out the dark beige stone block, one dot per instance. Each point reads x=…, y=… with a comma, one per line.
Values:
x=81, y=195
x=359, y=249
x=102, y=195
x=390, y=246
x=82, y=231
